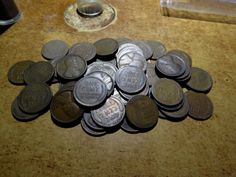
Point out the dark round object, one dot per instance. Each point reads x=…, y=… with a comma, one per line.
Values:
x=19, y=114
x=54, y=49
x=147, y=50
x=106, y=47
x=90, y=9
x=200, y=105
x=167, y=92
x=71, y=67
x=90, y=91
x=85, y=50
x=142, y=112
x=127, y=127
x=16, y=72
x=91, y=124
x=151, y=74
x=130, y=79
x=170, y=66
x=40, y=72
x=90, y=131
x=200, y=81
x=63, y=107
x=34, y=98
x=145, y=92
x=158, y=48
x=183, y=55
x=110, y=114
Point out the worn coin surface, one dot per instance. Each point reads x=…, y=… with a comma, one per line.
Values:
x=71, y=67
x=117, y=94
x=85, y=50
x=151, y=73
x=106, y=47
x=54, y=49
x=128, y=47
x=19, y=114
x=130, y=79
x=110, y=114
x=200, y=81
x=200, y=105
x=34, y=98
x=112, y=61
x=170, y=66
x=16, y=72
x=90, y=131
x=90, y=122
x=167, y=92
x=183, y=55
x=102, y=66
x=40, y=72
x=90, y=91
x=158, y=49
x=63, y=107
x=106, y=78
x=127, y=127
x=147, y=50
x=142, y=112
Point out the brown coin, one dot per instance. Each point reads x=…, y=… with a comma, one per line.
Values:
x=54, y=49
x=40, y=72
x=200, y=81
x=200, y=105
x=34, y=98
x=63, y=107
x=71, y=67
x=167, y=92
x=16, y=72
x=106, y=47
x=142, y=112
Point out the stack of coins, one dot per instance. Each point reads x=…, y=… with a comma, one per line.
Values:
x=111, y=84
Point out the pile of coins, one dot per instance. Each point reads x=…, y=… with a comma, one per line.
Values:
x=111, y=84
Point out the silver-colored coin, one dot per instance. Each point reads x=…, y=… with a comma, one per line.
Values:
x=90, y=131
x=183, y=55
x=127, y=127
x=151, y=73
x=112, y=61
x=90, y=91
x=128, y=47
x=147, y=50
x=117, y=94
x=91, y=124
x=132, y=59
x=106, y=78
x=130, y=79
x=102, y=66
x=110, y=114
x=158, y=48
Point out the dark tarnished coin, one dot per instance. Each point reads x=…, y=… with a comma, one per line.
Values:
x=16, y=72
x=147, y=50
x=151, y=74
x=110, y=114
x=67, y=86
x=91, y=124
x=183, y=55
x=102, y=66
x=90, y=131
x=142, y=112
x=71, y=67
x=170, y=66
x=19, y=114
x=90, y=9
x=106, y=78
x=181, y=113
x=40, y=72
x=106, y=47
x=200, y=105
x=158, y=48
x=85, y=50
x=130, y=79
x=90, y=91
x=127, y=127
x=170, y=108
x=54, y=49
x=63, y=107
x=200, y=81
x=167, y=92
x=34, y=98
x=162, y=116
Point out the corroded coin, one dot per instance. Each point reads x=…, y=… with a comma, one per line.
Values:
x=147, y=50
x=85, y=50
x=19, y=114
x=200, y=105
x=170, y=66
x=40, y=72
x=71, y=67
x=106, y=47
x=142, y=112
x=127, y=127
x=110, y=114
x=63, y=107
x=34, y=98
x=200, y=81
x=90, y=91
x=183, y=55
x=158, y=48
x=106, y=78
x=91, y=124
x=54, y=49
x=102, y=66
x=90, y=131
x=130, y=79
x=167, y=92
x=16, y=72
